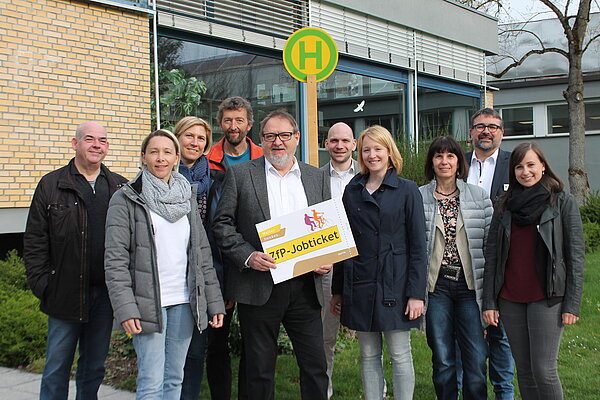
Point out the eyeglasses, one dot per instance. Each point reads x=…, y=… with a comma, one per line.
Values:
x=481, y=127
x=284, y=136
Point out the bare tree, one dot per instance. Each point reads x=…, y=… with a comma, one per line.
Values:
x=575, y=28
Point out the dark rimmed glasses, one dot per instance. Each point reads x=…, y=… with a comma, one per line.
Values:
x=492, y=128
x=271, y=137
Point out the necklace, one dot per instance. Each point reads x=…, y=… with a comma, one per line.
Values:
x=446, y=194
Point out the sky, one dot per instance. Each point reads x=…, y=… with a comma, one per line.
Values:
x=523, y=10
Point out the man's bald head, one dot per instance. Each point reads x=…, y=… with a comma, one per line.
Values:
x=340, y=144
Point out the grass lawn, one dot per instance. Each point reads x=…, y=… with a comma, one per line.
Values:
x=579, y=358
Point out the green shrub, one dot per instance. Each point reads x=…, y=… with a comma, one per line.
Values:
x=591, y=232
x=23, y=328
x=413, y=160
x=12, y=272
x=591, y=211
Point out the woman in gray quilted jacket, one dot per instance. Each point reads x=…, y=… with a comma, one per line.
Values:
x=457, y=218
x=159, y=269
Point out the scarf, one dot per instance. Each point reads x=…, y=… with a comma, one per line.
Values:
x=169, y=200
x=198, y=174
x=528, y=203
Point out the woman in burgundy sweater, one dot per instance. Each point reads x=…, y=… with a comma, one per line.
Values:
x=534, y=269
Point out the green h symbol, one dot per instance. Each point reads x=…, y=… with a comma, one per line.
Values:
x=305, y=54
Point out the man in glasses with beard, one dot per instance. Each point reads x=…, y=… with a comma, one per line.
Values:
x=489, y=170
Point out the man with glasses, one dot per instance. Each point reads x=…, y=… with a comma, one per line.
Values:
x=268, y=187
x=489, y=170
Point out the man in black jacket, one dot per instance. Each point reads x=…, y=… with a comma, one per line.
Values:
x=64, y=260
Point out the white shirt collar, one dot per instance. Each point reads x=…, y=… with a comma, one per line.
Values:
x=493, y=157
x=269, y=168
x=333, y=172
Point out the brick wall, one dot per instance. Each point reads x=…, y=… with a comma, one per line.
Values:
x=63, y=63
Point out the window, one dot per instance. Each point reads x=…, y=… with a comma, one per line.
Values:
x=360, y=101
x=518, y=121
x=444, y=113
x=261, y=80
x=558, y=118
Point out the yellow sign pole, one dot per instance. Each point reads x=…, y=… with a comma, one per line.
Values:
x=313, y=121
x=310, y=55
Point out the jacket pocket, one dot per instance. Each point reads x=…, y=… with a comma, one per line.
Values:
x=62, y=221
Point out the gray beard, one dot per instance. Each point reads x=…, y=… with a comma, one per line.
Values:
x=279, y=162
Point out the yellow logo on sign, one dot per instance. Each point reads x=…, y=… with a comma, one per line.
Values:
x=310, y=51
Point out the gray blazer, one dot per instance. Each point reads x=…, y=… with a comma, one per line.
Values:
x=244, y=203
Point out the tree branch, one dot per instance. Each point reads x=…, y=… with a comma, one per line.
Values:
x=590, y=42
x=526, y=56
x=525, y=31
x=561, y=18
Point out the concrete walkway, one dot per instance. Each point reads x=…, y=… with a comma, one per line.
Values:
x=19, y=385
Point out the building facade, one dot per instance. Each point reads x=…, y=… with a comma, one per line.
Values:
x=417, y=69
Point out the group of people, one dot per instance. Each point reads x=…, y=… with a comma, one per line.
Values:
x=487, y=258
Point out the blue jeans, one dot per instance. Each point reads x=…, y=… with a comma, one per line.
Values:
x=371, y=354
x=161, y=355
x=501, y=363
x=453, y=316
x=93, y=338
x=194, y=366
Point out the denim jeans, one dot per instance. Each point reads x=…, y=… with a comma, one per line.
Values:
x=94, y=340
x=534, y=331
x=453, y=316
x=194, y=366
x=371, y=354
x=161, y=355
x=501, y=363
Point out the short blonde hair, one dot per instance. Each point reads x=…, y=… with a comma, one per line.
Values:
x=382, y=136
x=186, y=123
x=161, y=132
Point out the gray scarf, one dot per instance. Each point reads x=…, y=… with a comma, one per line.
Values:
x=169, y=200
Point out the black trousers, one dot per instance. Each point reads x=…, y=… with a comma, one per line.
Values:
x=218, y=363
x=293, y=303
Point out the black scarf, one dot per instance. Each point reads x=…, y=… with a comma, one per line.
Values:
x=528, y=203
x=198, y=174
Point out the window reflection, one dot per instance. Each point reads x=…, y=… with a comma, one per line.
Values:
x=262, y=80
x=558, y=118
x=444, y=113
x=360, y=101
x=518, y=121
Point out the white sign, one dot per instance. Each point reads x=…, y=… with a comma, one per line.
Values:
x=306, y=239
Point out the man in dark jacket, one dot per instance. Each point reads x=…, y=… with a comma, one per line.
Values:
x=64, y=261
x=489, y=170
